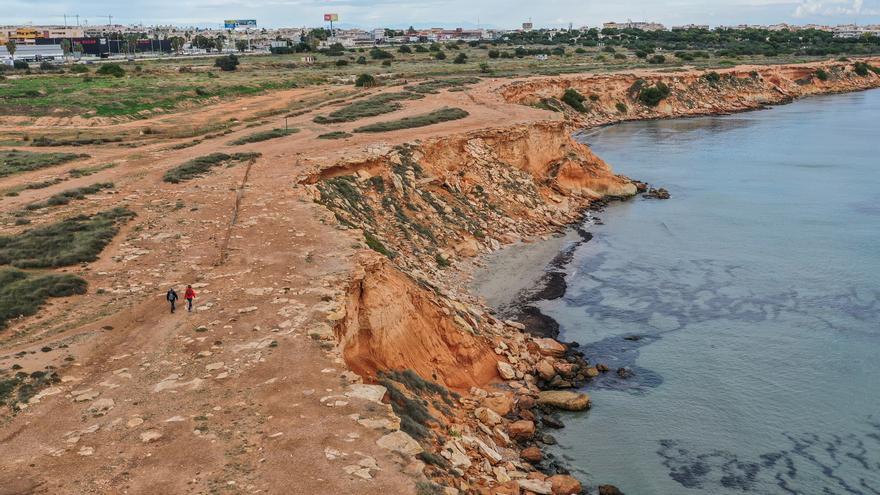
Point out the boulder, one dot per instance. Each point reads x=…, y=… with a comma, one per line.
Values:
x=609, y=490
x=592, y=372
x=522, y=429
x=536, y=486
x=564, y=485
x=532, y=454
x=509, y=488
x=399, y=441
x=550, y=347
x=506, y=370
x=564, y=399
x=501, y=404
x=545, y=369
x=372, y=393
x=487, y=416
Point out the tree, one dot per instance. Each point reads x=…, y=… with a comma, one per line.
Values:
x=10, y=47
x=241, y=45
x=177, y=43
x=460, y=58
x=65, y=47
x=227, y=63
x=404, y=49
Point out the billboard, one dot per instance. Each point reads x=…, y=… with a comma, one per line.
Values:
x=331, y=17
x=527, y=26
x=234, y=23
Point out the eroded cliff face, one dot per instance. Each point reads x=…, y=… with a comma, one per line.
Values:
x=396, y=324
x=615, y=97
x=425, y=206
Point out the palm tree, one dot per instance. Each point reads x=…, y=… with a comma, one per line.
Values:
x=10, y=47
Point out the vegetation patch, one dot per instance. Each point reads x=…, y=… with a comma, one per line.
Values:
x=13, y=191
x=203, y=164
x=264, y=136
x=86, y=171
x=575, y=100
x=46, y=142
x=65, y=197
x=652, y=95
x=23, y=293
x=334, y=135
x=368, y=107
x=435, y=117
x=436, y=85
x=16, y=162
x=71, y=241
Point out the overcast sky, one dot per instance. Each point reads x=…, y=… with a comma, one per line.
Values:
x=447, y=13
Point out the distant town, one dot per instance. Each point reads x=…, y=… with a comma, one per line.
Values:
x=57, y=43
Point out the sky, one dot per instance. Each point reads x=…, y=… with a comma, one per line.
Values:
x=445, y=13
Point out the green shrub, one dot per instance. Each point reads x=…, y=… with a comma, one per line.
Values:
x=264, y=136
x=404, y=49
x=365, y=81
x=461, y=58
x=653, y=95
x=201, y=165
x=227, y=63
x=380, y=54
x=621, y=107
x=69, y=195
x=821, y=74
x=22, y=293
x=367, y=107
x=435, y=117
x=657, y=59
x=15, y=162
x=712, y=77
x=375, y=244
x=440, y=55
x=862, y=68
x=341, y=62
x=114, y=70
x=494, y=54
x=71, y=241
x=435, y=85
x=334, y=135
x=79, y=69
x=361, y=60
x=575, y=100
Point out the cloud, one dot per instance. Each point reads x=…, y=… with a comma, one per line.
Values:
x=831, y=8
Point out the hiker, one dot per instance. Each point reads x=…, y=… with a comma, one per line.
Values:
x=189, y=295
x=171, y=296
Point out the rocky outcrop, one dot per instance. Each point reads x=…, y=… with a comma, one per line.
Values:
x=615, y=97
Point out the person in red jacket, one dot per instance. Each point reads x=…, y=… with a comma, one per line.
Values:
x=189, y=295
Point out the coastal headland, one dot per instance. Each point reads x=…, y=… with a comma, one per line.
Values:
x=335, y=344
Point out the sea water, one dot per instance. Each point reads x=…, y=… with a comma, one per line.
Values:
x=747, y=306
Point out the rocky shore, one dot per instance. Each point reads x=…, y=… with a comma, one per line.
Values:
x=490, y=385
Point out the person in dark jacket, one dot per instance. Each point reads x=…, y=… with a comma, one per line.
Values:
x=189, y=295
x=171, y=296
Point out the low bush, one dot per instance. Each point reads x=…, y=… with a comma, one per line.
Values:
x=79, y=69
x=435, y=117
x=575, y=100
x=114, y=70
x=461, y=58
x=264, y=136
x=621, y=107
x=653, y=95
x=367, y=107
x=657, y=59
x=201, y=165
x=712, y=77
x=68, y=242
x=821, y=74
x=16, y=162
x=365, y=81
x=334, y=135
x=440, y=56
x=69, y=195
x=23, y=293
x=227, y=63
x=380, y=54
x=435, y=85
